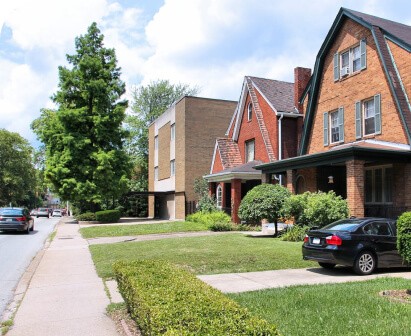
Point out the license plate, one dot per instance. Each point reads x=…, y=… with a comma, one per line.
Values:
x=9, y=219
x=316, y=241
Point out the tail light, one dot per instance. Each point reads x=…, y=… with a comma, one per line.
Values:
x=306, y=239
x=333, y=240
x=21, y=219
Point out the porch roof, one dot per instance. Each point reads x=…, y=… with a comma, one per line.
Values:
x=378, y=154
x=243, y=172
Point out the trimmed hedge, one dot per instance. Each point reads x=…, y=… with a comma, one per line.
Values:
x=404, y=236
x=87, y=216
x=108, y=216
x=166, y=300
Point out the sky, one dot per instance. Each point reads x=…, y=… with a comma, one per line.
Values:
x=209, y=44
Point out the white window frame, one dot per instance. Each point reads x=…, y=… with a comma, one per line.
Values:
x=334, y=127
x=172, y=167
x=365, y=103
x=219, y=196
x=249, y=111
x=172, y=132
x=385, y=198
x=248, y=145
x=354, y=57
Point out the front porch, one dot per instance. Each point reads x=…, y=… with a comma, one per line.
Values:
x=374, y=181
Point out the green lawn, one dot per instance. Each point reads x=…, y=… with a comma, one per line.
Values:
x=225, y=253
x=337, y=309
x=140, y=229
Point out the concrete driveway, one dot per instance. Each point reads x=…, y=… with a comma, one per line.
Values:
x=243, y=282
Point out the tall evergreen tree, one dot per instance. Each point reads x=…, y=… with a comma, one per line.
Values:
x=85, y=159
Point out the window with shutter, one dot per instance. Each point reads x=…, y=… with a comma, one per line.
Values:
x=325, y=128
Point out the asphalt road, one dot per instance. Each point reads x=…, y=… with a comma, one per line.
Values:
x=16, y=252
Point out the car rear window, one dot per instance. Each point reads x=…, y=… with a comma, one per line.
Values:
x=343, y=225
x=11, y=212
x=43, y=209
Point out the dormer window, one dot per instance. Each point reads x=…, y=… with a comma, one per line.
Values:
x=350, y=61
x=249, y=112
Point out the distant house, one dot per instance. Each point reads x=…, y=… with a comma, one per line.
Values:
x=357, y=127
x=181, y=143
x=264, y=128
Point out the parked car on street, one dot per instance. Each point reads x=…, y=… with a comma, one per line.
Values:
x=33, y=212
x=362, y=243
x=42, y=212
x=16, y=219
x=56, y=213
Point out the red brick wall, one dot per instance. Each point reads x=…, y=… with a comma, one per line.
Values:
x=355, y=187
x=250, y=130
x=402, y=60
x=289, y=137
x=359, y=86
x=218, y=165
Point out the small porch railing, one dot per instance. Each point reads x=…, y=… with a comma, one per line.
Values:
x=384, y=210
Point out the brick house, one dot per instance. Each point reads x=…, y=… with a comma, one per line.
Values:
x=357, y=123
x=264, y=128
x=181, y=143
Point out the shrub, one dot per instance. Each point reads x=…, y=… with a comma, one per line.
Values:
x=87, y=216
x=295, y=234
x=221, y=227
x=316, y=209
x=209, y=218
x=166, y=300
x=404, y=236
x=264, y=201
x=108, y=216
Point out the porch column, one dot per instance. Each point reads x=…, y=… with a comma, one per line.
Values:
x=290, y=180
x=265, y=178
x=355, y=187
x=235, y=199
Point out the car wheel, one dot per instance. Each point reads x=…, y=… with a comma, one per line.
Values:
x=326, y=265
x=365, y=263
x=32, y=228
x=27, y=231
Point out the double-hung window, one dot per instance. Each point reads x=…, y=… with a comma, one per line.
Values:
x=368, y=117
x=249, y=150
x=334, y=126
x=350, y=61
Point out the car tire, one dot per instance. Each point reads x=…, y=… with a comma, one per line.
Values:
x=365, y=263
x=27, y=231
x=326, y=265
x=32, y=228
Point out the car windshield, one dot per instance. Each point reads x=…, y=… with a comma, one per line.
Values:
x=10, y=212
x=343, y=225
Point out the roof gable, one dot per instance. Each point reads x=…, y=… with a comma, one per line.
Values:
x=381, y=29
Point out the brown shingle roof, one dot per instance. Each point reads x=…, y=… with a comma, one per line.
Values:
x=279, y=94
x=229, y=153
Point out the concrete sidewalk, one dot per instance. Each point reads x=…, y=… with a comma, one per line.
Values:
x=65, y=296
x=243, y=282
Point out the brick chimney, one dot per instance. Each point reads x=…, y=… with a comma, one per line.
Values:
x=301, y=79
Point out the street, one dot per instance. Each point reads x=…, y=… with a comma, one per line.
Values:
x=16, y=252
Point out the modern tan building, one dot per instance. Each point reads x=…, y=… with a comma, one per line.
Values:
x=181, y=145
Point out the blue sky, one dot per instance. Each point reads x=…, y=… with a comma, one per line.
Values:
x=211, y=44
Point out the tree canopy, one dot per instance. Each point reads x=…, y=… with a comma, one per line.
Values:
x=149, y=102
x=17, y=172
x=83, y=137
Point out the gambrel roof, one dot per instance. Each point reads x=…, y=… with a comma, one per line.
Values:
x=382, y=30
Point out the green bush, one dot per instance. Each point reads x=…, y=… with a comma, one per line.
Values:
x=404, y=236
x=166, y=300
x=87, y=216
x=316, y=209
x=221, y=227
x=209, y=218
x=295, y=234
x=108, y=216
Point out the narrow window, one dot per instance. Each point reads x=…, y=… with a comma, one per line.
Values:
x=156, y=173
x=173, y=132
x=335, y=129
x=156, y=142
x=249, y=112
x=356, y=59
x=369, y=117
x=172, y=167
x=219, y=197
x=249, y=150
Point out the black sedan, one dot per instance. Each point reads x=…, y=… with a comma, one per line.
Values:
x=16, y=219
x=362, y=243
